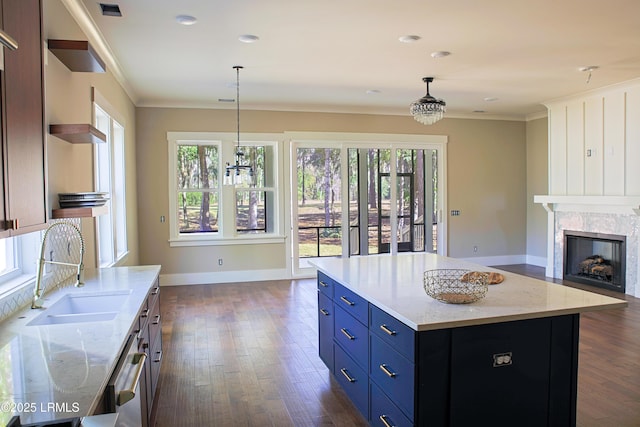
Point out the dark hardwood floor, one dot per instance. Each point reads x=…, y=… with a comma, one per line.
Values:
x=246, y=354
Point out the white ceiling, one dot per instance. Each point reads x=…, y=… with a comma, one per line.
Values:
x=323, y=55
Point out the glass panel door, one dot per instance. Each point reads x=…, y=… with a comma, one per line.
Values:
x=319, y=204
x=391, y=196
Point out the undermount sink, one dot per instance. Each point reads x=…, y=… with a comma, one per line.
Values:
x=82, y=308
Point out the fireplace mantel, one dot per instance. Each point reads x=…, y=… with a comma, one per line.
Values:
x=601, y=204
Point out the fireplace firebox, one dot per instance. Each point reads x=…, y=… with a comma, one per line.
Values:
x=595, y=259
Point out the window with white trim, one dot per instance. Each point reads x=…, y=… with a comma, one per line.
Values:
x=203, y=211
x=18, y=257
x=109, y=160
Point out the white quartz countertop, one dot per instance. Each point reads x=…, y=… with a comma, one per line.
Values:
x=60, y=371
x=394, y=283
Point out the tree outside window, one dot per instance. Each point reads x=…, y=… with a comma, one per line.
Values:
x=206, y=211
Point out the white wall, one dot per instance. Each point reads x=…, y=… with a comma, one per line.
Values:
x=594, y=143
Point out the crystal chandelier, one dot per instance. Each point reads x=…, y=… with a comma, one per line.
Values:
x=238, y=173
x=428, y=110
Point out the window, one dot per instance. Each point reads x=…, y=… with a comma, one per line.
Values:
x=197, y=171
x=18, y=259
x=203, y=211
x=9, y=261
x=111, y=228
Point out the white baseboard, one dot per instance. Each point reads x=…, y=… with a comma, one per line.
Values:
x=538, y=261
x=223, y=277
x=283, y=274
x=497, y=260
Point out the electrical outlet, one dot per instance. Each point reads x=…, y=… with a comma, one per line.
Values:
x=219, y=261
x=475, y=249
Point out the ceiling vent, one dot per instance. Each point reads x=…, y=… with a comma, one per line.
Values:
x=110, y=9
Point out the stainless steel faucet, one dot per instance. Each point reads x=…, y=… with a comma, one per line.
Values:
x=37, y=292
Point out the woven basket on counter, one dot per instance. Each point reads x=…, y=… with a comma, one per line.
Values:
x=456, y=286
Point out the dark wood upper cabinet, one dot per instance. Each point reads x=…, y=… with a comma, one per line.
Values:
x=23, y=131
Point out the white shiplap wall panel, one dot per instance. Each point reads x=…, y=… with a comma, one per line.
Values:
x=575, y=148
x=596, y=151
x=557, y=150
x=593, y=138
x=614, y=144
x=632, y=146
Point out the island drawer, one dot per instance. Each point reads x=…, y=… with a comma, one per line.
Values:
x=351, y=302
x=353, y=379
x=401, y=337
x=394, y=374
x=352, y=335
x=326, y=284
x=384, y=412
x=325, y=327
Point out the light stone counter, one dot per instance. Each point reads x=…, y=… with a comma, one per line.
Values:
x=60, y=371
x=395, y=285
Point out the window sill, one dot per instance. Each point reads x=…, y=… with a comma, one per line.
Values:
x=16, y=284
x=237, y=240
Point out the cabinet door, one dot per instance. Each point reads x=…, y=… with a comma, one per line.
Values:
x=384, y=412
x=394, y=374
x=353, y=379
x=352, y=335
x=500, y=374
x=325, y=328
x=24, y=116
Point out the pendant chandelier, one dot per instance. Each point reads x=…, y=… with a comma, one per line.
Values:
x=238, y=173
x=428, y=110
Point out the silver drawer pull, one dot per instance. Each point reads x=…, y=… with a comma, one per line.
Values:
x=347, y=301
x=347, y=334
x=158, y=357
x=323, y=311
x=157, y=320
x=385, y=421
x=347, y=376
x=156, y=290
x=323, y=284
x=387, y=330
x=387, y=371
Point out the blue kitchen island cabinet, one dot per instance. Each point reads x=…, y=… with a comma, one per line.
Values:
x=405, y=359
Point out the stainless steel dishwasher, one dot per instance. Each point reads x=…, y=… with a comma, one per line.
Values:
x=123, y=392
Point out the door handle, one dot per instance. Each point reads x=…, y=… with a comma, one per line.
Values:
x=126, y=395
x=8, y=41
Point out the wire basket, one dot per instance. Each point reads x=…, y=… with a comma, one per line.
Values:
x=456, y=286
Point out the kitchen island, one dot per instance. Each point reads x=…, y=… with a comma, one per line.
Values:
x=406, y=359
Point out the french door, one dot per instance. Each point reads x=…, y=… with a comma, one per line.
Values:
x=361, y=199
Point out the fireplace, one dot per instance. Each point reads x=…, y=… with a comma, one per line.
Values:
x=595, y=259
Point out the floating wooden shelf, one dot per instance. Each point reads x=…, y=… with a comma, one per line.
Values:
x=77, y=55
x=78, y=134
x=78, y=212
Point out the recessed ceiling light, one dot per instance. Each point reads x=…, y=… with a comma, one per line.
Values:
x=479, y=111
x=226, y=100
x=373, y=91
x=248, y=38
x=186, y=19
x=440, y=54
x=490, y=98
x=409, y=39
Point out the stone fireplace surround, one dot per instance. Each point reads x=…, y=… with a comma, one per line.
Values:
x=596, y=214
